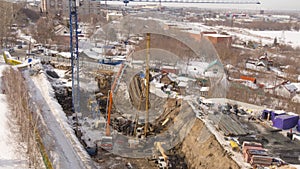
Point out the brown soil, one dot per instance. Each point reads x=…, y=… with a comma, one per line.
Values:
x=207, y=153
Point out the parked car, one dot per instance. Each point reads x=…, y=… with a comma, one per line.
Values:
x=11, y=50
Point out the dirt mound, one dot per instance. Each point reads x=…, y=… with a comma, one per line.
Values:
x=202, y=150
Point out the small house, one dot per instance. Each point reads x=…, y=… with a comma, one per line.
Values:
x=204, y=91
x=165, y=79
x=182, y=87
x=170, y=69
x=60, y=30
x=286, y=90
x=215, y=68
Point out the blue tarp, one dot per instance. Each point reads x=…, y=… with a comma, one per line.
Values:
x=285, y=121
x=271, y=113
x=298, y=127
x=265, y=113
x=274, y=114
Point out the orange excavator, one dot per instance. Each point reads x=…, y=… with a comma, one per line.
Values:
x=107, y=141
x=110, y=100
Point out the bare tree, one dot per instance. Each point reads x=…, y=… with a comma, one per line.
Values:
x=21, y=119
x=6, y=21
x=44, y=30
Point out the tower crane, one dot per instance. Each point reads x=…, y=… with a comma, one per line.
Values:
x=73, y=5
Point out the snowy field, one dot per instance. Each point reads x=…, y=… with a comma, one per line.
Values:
x=289, y=37
x=9, y=157
x=265, y=37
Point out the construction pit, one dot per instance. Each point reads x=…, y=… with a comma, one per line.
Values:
x=142, y=152
x=197, y=147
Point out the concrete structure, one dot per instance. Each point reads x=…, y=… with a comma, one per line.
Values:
x=197, y=37
x=113, y=16
x=207, y=32
x=56, y=6
x=219, y=39
x=61, y=7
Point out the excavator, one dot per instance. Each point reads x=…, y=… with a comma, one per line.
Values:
x=162, y=161
x=107, y=140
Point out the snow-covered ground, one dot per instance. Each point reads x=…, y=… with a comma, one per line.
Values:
x=67, y=151
x=287, y=37
x=265, y=37
x=10, y=158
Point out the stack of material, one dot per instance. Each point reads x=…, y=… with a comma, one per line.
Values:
x=285, y=121
x=229, y=126
x=253, y=144
x=250, y=146
x=257, y=160
x=257, y=151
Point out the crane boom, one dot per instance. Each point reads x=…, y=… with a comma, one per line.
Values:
x=161, y=150
x=108, y=113
x=193, y=1
x=110, y=101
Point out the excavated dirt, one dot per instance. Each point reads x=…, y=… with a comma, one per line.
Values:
x=202, y=150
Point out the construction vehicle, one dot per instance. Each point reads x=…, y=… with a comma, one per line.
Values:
x=161, y=163
x=106, y=143
x=163, y=160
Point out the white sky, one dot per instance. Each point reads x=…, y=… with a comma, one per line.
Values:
x=280, y=4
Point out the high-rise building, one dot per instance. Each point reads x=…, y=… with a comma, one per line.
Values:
x=61, y=7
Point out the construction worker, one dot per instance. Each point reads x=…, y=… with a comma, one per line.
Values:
x=176, y=97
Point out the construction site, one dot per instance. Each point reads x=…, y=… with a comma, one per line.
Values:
x=137, y=112
x=150, y=111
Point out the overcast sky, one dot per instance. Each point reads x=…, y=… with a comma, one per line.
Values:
x=280, y=4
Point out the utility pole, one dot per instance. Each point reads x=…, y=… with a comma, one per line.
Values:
x=147, y=84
